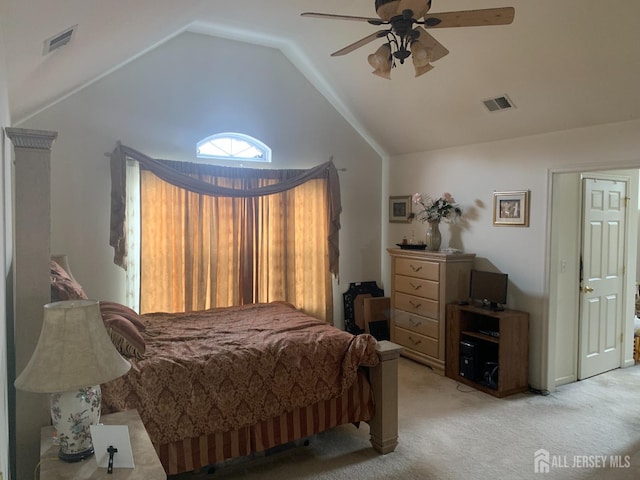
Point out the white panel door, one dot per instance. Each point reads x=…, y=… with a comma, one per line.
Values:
x=601, y=292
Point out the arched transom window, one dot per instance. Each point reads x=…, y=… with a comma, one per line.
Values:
x=233, y=146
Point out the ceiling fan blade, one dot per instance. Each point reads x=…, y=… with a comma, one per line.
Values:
x=470, y=18
x=373, y=21
x=360, y=43
x=434, y=47
x=418, y=7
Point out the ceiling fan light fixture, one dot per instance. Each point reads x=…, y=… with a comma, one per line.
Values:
x=387, y=8
x=381, y=59
x=405, y=24
x=420, y=54
x=383, y=73
x=423, y=69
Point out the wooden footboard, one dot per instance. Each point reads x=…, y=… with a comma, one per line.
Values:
x=354, y=406
x=383, y=427
x=190, y=454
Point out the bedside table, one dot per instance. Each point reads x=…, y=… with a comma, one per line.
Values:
x=145, y=458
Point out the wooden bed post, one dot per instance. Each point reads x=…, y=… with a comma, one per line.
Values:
x=28, y=412
x=383, y=426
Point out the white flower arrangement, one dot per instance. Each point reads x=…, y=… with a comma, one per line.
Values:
x=444, y=208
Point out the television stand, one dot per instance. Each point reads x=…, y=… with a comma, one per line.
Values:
x=493, y=306
x=495, y=349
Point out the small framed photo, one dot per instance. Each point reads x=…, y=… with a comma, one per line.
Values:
x=400, y=209
x=511, y=208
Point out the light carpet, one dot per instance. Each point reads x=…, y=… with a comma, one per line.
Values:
x=584, y=430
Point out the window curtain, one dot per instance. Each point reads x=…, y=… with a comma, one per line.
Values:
x=132, y=259
x=217, y=236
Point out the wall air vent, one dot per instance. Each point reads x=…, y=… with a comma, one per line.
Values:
x=499, y=103
x=59, y=40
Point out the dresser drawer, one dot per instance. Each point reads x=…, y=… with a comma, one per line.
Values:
x=416, y=323
x=417, y=286
x=415, y=341
x=418, y=268
x=418, y=305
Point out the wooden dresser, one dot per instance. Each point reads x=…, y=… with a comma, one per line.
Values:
x=422, y=284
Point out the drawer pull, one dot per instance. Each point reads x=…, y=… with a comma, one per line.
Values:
x=415, y=287
x=414, y=323
x=415, y=342
x=415, y=269
x=415, y=305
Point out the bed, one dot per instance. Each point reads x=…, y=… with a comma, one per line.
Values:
x=228, y=382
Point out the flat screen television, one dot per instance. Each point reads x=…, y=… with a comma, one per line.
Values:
x=489, y=288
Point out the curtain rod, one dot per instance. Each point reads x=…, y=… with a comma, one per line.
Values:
x=343, y=169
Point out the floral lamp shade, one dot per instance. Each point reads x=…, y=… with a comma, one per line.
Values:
x=74, y=355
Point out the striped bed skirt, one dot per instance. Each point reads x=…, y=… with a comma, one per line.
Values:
x=355, y=405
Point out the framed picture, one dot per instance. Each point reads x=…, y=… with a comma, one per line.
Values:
x=400, y=209
x=511, y=208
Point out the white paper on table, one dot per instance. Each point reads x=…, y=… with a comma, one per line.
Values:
x=104, y=436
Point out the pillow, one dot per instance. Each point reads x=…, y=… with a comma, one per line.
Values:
x=124, y=335
x=63, y=287
x=124, y=311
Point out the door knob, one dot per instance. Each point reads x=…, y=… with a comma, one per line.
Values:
x=588, y=289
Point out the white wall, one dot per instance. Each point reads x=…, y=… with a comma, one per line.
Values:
x=162, y=104
x=473, y=172
x=5, y=249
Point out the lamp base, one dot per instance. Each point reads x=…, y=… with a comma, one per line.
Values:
x=72, y=414
x=75, y=457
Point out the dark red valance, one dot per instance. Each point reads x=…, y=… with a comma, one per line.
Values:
x=173, y=173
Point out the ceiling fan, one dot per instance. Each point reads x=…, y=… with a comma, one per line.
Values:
x=405, y=22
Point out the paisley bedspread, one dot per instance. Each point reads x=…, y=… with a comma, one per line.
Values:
x=225, y=368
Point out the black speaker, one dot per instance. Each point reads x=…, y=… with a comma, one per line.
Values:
x=468, y=359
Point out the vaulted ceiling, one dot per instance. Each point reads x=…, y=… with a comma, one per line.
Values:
x=564, y=64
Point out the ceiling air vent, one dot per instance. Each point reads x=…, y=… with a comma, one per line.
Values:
x=498, y=103
x=59, y=40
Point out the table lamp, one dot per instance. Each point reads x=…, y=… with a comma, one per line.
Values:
x=74, y=355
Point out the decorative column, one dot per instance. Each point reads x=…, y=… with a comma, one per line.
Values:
x=383, y=427
x=28, y=412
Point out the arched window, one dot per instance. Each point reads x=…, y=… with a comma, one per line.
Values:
x=233, y=146
x=207, y=247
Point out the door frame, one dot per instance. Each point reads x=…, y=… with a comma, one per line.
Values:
x=560, y=337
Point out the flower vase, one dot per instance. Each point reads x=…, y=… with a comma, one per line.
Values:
x=433, y=238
